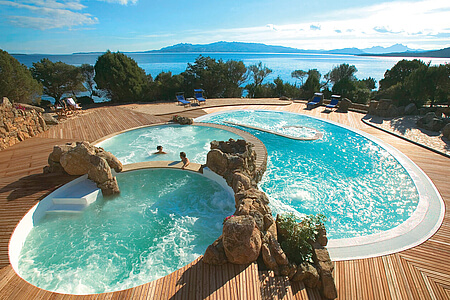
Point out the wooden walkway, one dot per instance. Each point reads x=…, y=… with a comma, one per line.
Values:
x=422, y=272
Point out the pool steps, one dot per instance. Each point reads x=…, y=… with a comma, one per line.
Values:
x=72, y=205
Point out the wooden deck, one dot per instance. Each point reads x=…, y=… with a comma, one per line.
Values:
x=422, y=272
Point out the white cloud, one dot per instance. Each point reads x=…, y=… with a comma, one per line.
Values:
x=408, y=22
x=122, y=2
x=48, y=14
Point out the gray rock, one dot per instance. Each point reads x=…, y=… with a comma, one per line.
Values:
x=49, y=119
x=411, y=109
x=446, y=131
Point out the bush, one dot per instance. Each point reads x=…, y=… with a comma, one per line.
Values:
x=120, y=77
x=295, y=235
x=16, y=81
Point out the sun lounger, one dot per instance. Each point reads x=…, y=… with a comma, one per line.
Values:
x=317, y=100
x=198, y=94
x=334, y=101
x=73, y=106
x=182, y=100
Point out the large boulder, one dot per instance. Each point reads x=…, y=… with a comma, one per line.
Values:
x=241, y=239
x=446, y=131
x=431, y=122
x=82, y=158
x=325, y=268
x=76, y=161
x=307, y=273
x=215, y=253
x=411, y=109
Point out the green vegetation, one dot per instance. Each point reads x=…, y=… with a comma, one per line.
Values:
x=16, y=81
x=295, y=235
x=58, y=78
x=416, y=82
x=119, y=78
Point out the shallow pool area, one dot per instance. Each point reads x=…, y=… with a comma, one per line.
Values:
x=158, y=224
x=140, y=144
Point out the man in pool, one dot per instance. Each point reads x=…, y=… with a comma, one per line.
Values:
x=160, y=150
x=184, y=159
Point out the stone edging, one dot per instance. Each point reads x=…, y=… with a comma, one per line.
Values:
x=405, y=138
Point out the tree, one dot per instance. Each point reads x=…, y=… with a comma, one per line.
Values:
x=120, y=77
x=58, y=78
x=399, y=72
x=343, y=72
x=258, y=73
x=312, y=84
x=16, y=81
x=166, y=86
x=88, y=73
x=299, y=74
x=235, y=74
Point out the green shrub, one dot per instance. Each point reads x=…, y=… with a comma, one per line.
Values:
x=295, y=235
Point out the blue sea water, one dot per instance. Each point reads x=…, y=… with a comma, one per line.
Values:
x=282, y=64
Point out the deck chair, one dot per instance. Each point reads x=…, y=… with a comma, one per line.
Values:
x=334, y=101
x=182, y=100
x=317, y=100
x=72, y=105
x=198, y=94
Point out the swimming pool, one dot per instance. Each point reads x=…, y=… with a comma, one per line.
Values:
x=139, y=145
x=158, y=224
x=368, y=190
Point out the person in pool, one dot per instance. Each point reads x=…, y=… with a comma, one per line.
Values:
x=160, y=150
x=184, y=159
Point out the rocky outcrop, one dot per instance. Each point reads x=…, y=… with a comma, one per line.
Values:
x=182, y=120
x=325, y=269
x=446, y=131
x=19, y=122
x=431, y=122
x=241, y=239
x=82, y=158
x=252, y=232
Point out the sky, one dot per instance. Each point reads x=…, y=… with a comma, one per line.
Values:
x=69, y=26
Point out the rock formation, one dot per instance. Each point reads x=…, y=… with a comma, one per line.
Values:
x=19, y=122
x=82, y=158
x=182, y=120
x=431, y=122
x=252, y=232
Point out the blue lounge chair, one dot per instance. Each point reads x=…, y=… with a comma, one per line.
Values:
x=317, y=100
x=334, y=101
x=198, y=94
x=180, y=99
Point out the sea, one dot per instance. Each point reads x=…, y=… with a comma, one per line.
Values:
x=281, y=64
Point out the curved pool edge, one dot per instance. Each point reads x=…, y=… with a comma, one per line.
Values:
x=420, y=226
x=25, y=225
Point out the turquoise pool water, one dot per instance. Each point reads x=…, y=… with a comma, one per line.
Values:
x=139, y=145
x=158, y=224
x=357, y=184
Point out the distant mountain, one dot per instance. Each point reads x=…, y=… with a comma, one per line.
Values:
x=444, y=53
x=229, y=47
x=393, y=48
x=347, y=51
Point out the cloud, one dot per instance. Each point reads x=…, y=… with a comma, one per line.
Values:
x=122, y=2
x=49, y=14
x=408, y=22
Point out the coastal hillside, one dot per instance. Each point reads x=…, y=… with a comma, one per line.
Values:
x=228, y=47
x=444, y=53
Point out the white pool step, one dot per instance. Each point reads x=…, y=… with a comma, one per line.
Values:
x=72, y=204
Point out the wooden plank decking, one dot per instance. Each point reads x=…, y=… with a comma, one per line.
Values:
x=422, y=272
